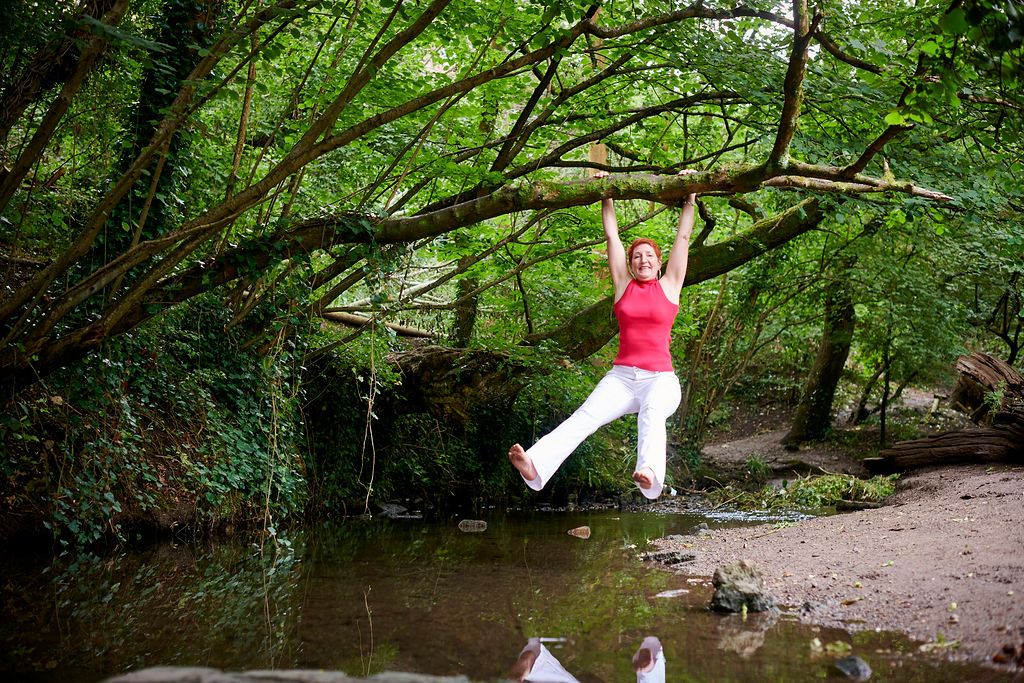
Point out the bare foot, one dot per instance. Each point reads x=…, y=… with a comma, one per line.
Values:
x=644, y=478
x=521, y=461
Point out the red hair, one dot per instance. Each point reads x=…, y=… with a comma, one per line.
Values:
x=642, y=240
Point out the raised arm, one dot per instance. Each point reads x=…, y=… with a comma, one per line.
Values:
x=616, y=252
x=675, y=271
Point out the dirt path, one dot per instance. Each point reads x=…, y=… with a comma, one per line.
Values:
x=731, y=457
x=943, y=561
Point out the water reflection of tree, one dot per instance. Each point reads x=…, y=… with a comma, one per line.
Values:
x=225, y=606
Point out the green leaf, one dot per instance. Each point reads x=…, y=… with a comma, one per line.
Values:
x=955, y=22
x=894, y=118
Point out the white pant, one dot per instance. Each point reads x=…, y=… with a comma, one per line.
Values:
x=546, y=669
x=657, y=672
x=654, y=396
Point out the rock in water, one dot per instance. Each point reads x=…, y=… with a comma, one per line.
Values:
x=740, y=585
x=580, y=532
x=391, y=510
x=472, y=525
x=670, y=558
x=854, y=668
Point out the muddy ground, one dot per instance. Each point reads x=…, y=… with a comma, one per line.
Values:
x=942, y=560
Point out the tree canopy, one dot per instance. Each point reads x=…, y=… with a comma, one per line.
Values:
x=310, y=159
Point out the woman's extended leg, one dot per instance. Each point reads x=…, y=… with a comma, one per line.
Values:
x=613, y=397
x=659, y=397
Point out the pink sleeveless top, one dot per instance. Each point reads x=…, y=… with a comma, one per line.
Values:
x=645, y=318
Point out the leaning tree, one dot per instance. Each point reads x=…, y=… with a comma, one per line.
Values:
x=166, y=149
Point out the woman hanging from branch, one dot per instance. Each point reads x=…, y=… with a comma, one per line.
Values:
x=641, y=380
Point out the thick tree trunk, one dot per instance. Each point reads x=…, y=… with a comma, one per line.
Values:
x=33, y=151
x=187, y=29
x=813, y=417
x=465, y=312
x=52, y=65
x=991, y=392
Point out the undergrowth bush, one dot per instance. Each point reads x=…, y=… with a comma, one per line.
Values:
x=171, y=425
x=810, y=492
x=411, y=455
x=829, y=489
x=602, y=464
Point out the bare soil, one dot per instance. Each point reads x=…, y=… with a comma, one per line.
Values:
x=942, y=561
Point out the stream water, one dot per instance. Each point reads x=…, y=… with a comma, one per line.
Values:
x=364, y=596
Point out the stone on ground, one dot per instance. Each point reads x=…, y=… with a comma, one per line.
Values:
x=738, y=586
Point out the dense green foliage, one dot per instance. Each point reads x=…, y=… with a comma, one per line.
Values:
x=171, y=427
x=426, y=463
x=200, y=198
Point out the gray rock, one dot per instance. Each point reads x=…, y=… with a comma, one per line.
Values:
x=740, y=585
x=700, y=529
x=669, y=557
x=473, y=526
x=854, y=668
x=403, y=677
x=391, y=510
x=186, y=674
x=396, y=511
x=170, y=674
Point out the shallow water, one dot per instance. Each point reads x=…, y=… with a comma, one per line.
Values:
x=365, y=596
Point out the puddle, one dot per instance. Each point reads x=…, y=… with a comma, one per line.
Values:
x=420, y=596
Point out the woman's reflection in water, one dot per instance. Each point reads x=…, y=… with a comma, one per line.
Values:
x=537, y=664
x=649, y=661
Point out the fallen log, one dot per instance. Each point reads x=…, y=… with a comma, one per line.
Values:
x=982, y=376
x=985, y=444
x=992, y=393
x=452, y=384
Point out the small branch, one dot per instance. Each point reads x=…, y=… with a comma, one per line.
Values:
x=697, y=11
x=839, y=187
x=1006, y=104
x=710, y=220
x=593, y=135
x=23, y=261
x=834, y=50
x=353, y=320
x=747, y=207
x=793, y=85
x=873, y=149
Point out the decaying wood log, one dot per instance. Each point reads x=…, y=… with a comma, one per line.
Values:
x=984, y=444
x=985, y=383
x=452, y=384
x=980, y=376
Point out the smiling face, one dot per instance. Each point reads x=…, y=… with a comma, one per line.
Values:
x=644, y=261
